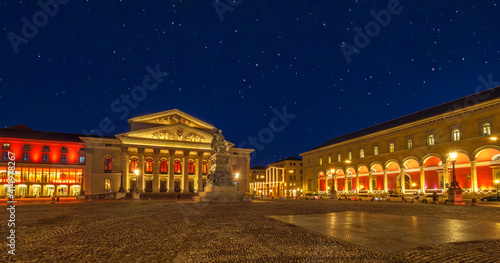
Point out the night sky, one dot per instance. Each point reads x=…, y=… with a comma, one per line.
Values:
x=233, y=72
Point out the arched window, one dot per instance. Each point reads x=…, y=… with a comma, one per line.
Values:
x=191, y=167
x=410, y=144
x=430, y=140
x=375, y=150
x=177, y=167
x=361, y=153
x=163, y=166
x=108, y=164
x=149, y=166
x=486, y=129
x=456, y=135
x=133, y=164
x=204, y=168
x=391, y=147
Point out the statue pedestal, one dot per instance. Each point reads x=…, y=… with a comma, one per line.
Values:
x=455, y=198
x=136, y=196
x=214, y=193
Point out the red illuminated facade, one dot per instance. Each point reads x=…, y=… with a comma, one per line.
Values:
x=47, y=164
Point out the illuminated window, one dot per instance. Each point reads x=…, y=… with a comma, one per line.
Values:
x=391, y=147
x=26, y=157
x=108, y=164
x=361, y=153
x=339, y=157
x=409, y=144
x=107, y=184
x=163, y=166
x=486, y=129
x=456, y=135
x=320, y=161
x=430, y=140
x=204, y=168
x=191, y=167
x=82, y=159
x=349, y=155
x=45, y=157
x=375, y=150
x=177, y=167
x=149, y=166
x=133, y=164
x=329, y=159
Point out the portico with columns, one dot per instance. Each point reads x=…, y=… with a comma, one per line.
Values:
x=166, y=152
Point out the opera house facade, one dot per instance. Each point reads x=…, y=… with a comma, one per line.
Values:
x=166, y=152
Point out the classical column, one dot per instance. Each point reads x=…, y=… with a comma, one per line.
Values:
x=185, y=173
x=422, y=179
x=446, y=175
x=199, y=172
x=125, y=168
x=171, y=159
x=140, y=167
x=357, y=182
x=88, y=172
x=473, y=172
x=402, y=181
x=345, y=182
x=385, y=181
x=370, y=183
x=156, y=171
x=245, y=175
x=335, y=182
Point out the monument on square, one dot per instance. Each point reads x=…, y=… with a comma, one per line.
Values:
x=220, y=180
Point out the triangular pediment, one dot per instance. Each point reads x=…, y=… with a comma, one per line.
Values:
x=170, y=117
x=169, y=135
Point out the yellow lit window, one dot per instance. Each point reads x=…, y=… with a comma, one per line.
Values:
x=107, y=184
x=410, y=144
x=430, y=140
x=362, y=153
x=391, y=147
x=339, y=158
x=486, y=129
x=456, y=135
x=349, y=155
x=375, y=150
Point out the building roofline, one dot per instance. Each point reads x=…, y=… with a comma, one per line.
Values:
x=461, y=103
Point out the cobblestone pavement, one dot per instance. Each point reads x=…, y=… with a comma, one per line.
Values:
x=165, y=231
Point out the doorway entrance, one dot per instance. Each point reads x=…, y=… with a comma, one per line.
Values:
x=149, y=186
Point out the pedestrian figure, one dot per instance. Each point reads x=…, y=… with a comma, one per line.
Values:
x=435, y=198
x=474, y=201
x=53, y=200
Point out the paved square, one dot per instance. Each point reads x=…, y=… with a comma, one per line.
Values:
x=393, y=233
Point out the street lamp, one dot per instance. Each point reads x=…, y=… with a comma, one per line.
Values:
x=453, y=157
x=497, y=182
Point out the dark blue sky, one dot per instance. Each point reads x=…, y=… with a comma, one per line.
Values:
x=263, y=55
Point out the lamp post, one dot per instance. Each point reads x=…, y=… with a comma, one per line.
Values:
x=121, y=184
x=455, y=195
x=497, y=182
x=453, y=157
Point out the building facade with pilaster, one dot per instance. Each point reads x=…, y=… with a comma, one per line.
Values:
x=411, y=154
x=163, y=152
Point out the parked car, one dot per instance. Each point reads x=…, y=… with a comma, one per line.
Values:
x=347, y=197
x=399, y=198
x=310, y=197
x=490, y=198
x=368, y=197
x=324, y=197
x=426, y=198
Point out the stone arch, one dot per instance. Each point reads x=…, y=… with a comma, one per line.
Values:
x=388, y=162
x=430, y=155
x=409, y=159
x=481, y=149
